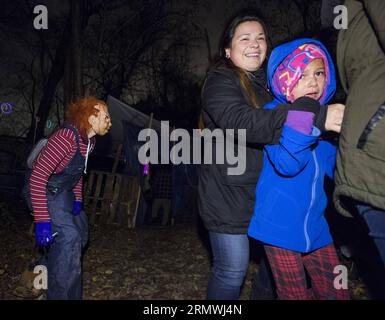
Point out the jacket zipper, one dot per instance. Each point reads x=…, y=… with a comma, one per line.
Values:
x=312, y=201
x=370, y=126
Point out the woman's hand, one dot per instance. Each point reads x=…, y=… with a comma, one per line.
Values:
x=334, y=117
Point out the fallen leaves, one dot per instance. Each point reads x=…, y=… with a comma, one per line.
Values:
x=120, y=263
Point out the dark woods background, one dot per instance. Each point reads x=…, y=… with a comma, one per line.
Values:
x=151, y=54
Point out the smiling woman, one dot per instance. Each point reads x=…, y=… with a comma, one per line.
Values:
x=233, y=96
x=248, y=46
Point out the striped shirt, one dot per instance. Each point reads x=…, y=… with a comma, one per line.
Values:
x=53, y=158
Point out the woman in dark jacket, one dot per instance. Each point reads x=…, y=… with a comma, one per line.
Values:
x=232, y=97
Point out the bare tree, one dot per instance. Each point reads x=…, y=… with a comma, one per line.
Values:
x=73, y=74
x=97, y=47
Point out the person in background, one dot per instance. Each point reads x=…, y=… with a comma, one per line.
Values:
x=161, y=191
x=291, y=201
x=55, y=188
x=233, y=95
x=360, y=168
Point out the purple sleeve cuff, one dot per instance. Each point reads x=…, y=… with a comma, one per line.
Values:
x=301, y=121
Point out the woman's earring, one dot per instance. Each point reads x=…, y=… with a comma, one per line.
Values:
x=227, y=56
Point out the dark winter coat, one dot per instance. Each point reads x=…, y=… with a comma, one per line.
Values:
x=226, y=202
x=360, y=172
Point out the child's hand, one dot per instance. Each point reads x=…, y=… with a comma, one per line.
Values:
x=334, y=117
x=302, y=113
x=306, y=104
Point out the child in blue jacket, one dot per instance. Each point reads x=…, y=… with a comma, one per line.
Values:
x=290, y=198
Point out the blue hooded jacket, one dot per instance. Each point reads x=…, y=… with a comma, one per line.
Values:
x=290, y=196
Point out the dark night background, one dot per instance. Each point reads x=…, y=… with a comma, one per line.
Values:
x=152, y=55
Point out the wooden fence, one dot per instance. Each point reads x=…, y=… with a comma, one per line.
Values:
x=112, y=198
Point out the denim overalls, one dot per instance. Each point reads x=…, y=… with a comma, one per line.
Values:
x=64, y=254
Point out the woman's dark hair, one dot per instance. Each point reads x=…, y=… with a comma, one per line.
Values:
x=243, y=16
x=227, y=37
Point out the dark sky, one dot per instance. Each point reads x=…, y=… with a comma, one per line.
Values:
x=212, y=15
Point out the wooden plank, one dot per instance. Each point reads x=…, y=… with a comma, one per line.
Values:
x=136, y=208
x=129, y=214
x=116, y=196
x=117, y=157
x=114, y=205
x=121, y=201
x=94, y=202
x=88, y=189
x=128, y=200
x=90, y=181
x=107, y=196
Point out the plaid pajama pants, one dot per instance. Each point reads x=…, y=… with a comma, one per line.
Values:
x=288, y=268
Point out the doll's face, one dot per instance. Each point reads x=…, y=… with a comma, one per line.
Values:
x=100, y=123
x=312, y=81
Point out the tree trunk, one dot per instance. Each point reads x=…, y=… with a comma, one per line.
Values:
x=54, y=77
x=76, y=37
x=209, y=57
x=73, y=80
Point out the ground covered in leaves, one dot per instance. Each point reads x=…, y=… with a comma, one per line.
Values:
x=143, y=263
